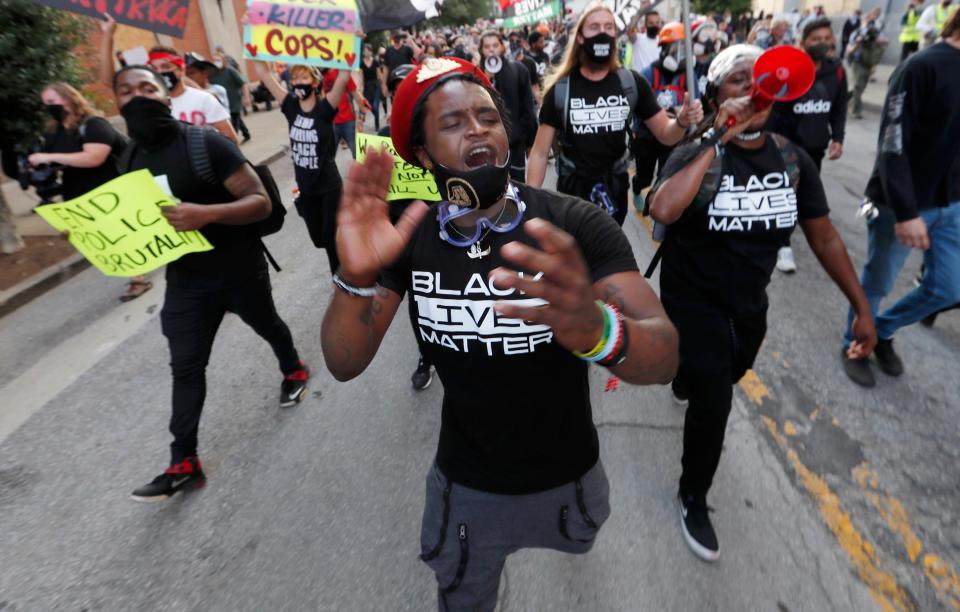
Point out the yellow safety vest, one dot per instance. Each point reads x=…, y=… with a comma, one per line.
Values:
x=627, y=54
x=910, y=33
x=943, y=15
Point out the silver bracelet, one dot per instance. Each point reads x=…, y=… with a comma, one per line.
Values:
x=351, y=290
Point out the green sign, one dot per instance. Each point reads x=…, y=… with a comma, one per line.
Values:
x=530, y=11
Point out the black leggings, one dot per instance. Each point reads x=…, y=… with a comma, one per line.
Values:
x=319, y=213
x=716, y=350
x=190, y=319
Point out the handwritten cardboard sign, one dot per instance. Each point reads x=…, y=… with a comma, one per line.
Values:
x=119, y=229
x=313, y=32
x=162, y=16
x=408, y=182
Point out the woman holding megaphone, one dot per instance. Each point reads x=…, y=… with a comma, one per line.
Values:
x=729, y=198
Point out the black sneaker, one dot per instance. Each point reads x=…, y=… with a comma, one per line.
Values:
x=889, y=360
x=858, y=370
x=294, y=386
x=188, y=474
x=680, y=395
x=422, y=376
x=696, y=527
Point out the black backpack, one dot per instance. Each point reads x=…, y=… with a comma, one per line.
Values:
x=199, y=156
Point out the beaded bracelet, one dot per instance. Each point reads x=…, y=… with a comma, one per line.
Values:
x=619, y=353
x=611, y=337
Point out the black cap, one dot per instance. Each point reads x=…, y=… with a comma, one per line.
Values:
x=193, y=59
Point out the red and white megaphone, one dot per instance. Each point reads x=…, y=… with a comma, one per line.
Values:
x=780, y=74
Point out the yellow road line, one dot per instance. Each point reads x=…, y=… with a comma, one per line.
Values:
x=882, y=586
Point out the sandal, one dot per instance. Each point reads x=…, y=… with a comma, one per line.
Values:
x=135, y=289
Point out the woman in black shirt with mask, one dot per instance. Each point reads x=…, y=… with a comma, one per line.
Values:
x=313, y=148
x=87, y=146
x=730, y=200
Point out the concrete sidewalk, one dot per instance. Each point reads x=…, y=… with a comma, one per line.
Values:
x=269, y=142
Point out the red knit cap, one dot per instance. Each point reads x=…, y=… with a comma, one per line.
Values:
x=410, y=91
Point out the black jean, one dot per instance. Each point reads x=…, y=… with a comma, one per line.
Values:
x=716, y=350
x=236, y=119
x=617, y=186
x=190, y=318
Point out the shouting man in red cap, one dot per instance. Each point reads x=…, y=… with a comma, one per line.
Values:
x=513, y=291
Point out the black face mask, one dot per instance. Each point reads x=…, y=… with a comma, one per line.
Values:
x=149, y=122
x=475, y=188
x=56, y=111
x=170, y=79
x=302, y=92
x=653, y=31
x=600, y=47
x=818, y=52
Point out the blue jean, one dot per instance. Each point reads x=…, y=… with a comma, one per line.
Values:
x=940, y=286
x=348, y=131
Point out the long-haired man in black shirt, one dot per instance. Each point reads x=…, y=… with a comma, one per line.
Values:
x=202, y=287
x=506, y=283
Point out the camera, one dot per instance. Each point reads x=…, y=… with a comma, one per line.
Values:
x=45, y=178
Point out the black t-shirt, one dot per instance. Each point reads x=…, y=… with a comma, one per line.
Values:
x=516, y=407
x=370, y=72
x=531, y=67
x=723, y=248
x=542, y=61
x=398, y=57
x=78, y=181
x=312, y=145
x=599, y=119
x=237, y=252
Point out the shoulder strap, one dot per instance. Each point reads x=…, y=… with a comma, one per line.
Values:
x=199, y=155
x=561, y=99
x=791, y=158
x=126, y=158
x=629, y=86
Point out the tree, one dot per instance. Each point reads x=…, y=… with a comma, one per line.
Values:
x=719, y=7
x=37, y=46
x=460, y=12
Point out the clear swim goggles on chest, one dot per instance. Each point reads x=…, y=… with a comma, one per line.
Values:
x=447, y=213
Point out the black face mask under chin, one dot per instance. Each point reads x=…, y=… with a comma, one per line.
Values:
x=56, y=112
x=475, y=188
x=149, y=122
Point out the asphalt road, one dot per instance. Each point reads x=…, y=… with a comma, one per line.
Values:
x=829, y=497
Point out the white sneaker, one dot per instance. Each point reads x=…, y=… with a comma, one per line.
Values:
x=785, y=262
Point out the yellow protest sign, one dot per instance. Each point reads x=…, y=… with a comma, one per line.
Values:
x=295, y=32
x=119, y=228
x=408, y=182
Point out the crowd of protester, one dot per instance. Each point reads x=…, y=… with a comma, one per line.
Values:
x=486, y=110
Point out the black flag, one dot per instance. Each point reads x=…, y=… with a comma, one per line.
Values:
x=378, y=15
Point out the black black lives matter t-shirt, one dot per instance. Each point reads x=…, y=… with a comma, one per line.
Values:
x=312, y=146
x=78, y=181
x=237, y=252
x=723, y=248
x=516, y=406
x=598, y=119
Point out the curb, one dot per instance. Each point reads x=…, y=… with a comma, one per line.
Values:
x=41, y=282
x=51, y=276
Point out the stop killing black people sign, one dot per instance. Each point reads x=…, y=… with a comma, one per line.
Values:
x=161, y=16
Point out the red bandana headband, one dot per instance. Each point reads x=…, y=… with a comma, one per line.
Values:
x=164, y=55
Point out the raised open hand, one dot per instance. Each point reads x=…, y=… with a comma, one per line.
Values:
x=366, y=240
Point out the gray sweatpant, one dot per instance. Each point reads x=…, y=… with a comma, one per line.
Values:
x=467, y=534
